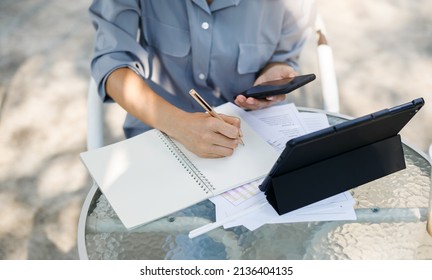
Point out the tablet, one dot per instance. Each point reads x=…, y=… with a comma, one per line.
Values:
x=340, y=138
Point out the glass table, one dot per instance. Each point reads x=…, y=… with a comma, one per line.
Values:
x=393, y=222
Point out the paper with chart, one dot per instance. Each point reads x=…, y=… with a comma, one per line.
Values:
x=277, y=125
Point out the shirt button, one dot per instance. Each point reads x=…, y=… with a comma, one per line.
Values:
x=201, y=76
x=205, y=25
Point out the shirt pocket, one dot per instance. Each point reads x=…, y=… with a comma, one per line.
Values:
x=167, y=39
x=253, y=57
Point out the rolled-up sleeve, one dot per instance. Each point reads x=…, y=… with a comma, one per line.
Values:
x=297, y=26
x=116, y=23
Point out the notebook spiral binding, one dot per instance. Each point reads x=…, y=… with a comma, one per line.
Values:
x=199, y=178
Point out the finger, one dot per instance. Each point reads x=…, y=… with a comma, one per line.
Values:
x=231, y=120
x=239, y=100
x=276, y=98
x=256, y=104
x=290, y=74
x=217, y=146
x=235, y=122
x=220, y=151
x=248, y=103
x=245, y=105
x=228, y=127
x=212, y=155
x=267, y=102
x=223, y=141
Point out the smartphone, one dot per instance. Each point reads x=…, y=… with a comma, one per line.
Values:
x=277, y=87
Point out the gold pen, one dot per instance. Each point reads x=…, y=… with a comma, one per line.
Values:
x=209, y=108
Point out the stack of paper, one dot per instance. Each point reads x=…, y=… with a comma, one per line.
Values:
x=277, y=125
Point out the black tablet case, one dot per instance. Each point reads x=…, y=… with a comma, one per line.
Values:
x=329, y=161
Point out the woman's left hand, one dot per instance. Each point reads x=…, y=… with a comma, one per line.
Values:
x=273, y=71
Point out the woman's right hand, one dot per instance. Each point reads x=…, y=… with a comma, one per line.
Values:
x=200, y=133
x=207, y=136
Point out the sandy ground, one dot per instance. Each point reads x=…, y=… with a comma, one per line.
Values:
x=383, y=57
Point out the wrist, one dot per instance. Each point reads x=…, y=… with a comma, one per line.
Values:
x=173, y=122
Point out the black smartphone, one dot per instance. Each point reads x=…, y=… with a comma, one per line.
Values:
x=277, y=87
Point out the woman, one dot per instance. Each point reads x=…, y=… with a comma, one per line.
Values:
x=150, y=53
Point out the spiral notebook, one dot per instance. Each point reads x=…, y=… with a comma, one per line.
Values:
x=151, y=175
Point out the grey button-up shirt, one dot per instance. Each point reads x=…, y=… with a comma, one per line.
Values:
x=178, y=45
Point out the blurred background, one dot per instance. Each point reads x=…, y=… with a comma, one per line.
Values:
x=383, y=57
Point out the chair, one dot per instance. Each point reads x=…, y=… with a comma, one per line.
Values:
x=95, y=118
x=430, y=151
x=329, y=85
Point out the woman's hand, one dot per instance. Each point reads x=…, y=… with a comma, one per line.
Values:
x=207, y=136
x=200, y=133
x=273, y=71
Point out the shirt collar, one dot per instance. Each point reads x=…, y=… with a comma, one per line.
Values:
x=216, y=5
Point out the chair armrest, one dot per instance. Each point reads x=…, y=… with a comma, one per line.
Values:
x=95, y=118
x=326, y=67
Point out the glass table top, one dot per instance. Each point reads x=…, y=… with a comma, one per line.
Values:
x=391, y=223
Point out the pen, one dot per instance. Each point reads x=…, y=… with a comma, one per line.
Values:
x=208, y=108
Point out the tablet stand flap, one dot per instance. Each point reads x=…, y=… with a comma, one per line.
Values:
x=336, y=174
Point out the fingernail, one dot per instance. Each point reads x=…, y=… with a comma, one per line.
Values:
x=241, y=142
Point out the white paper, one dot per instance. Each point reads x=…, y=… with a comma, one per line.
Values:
x=314, y=121
x=281, y=123
x=277, y=125
x=337, y=207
